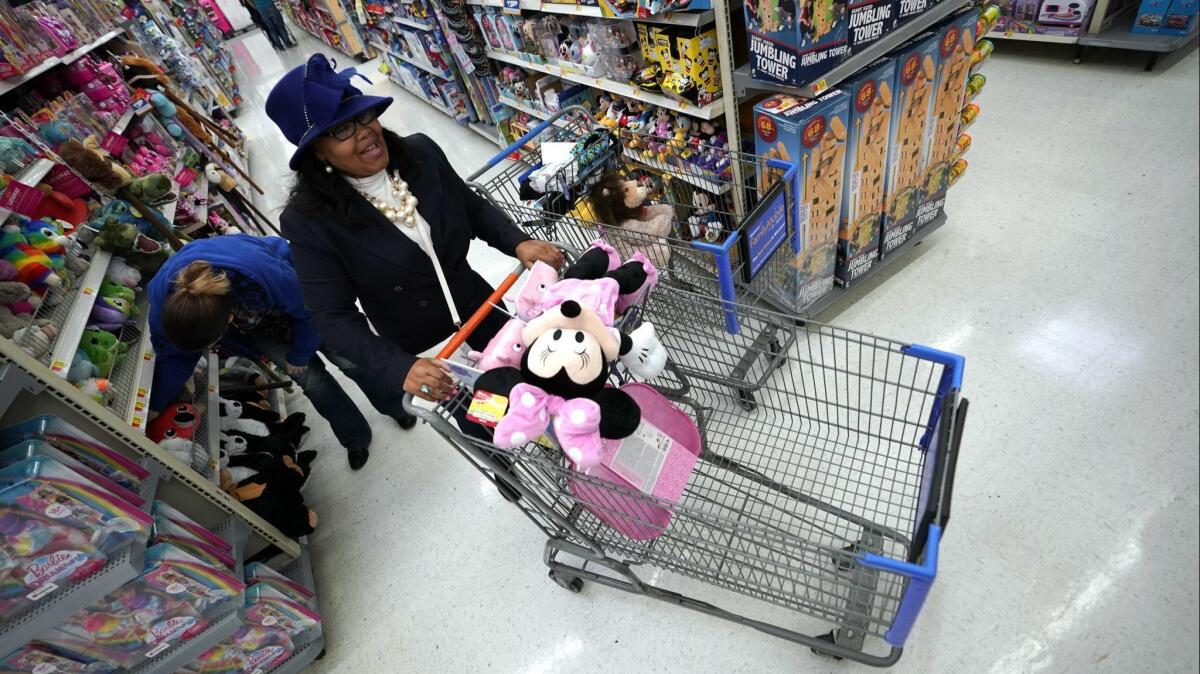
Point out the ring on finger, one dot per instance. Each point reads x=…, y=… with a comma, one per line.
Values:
x=425, y=389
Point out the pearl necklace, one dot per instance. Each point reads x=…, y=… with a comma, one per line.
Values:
x=404, y=215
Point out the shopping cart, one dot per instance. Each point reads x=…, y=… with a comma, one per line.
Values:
x=709, y=248
x=815, y=517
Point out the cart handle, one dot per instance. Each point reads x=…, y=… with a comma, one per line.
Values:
x=481, y=313
x=520, y=142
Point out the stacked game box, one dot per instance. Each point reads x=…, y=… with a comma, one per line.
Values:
x=911, y=137
x=795, y=41
x=868, y=129
x=956, y=43
x=811, y=134
x=869, y=21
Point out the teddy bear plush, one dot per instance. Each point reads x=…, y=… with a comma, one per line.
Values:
x=620, y=203
x=95, y=168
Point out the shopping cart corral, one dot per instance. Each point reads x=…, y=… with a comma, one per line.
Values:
x=707, y=247
x=815, y=514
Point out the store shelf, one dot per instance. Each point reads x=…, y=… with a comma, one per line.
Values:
x=123, y=122
x=70, y=330
x=691, y=19
x=54, y=608
x=689, y=174
x=839, y=293
x=1118, y=36
x=488, y=131
x=228, y=619
x=13, y=83
x=413, y=23
x=710, y=111
x=444, y=109
x=212, y=418
x=743, y=83
x=137, y=408
x=32, y=390
x=1033, y=37
x=30, y=176
x=423, y=66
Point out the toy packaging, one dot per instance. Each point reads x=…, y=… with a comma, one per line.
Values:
x=173, y=600
x=37, y=658
x=32, y=448
x=863, y=187
x=795, y=41
x=956, y=45
x=695, y=61
x=869, y=20
x=907, y=10
x=166, y=531
x=1180, y=17
x=811, y=134
x=257, y=572
x=274, y=627
x=161, y=509
x=74, y=442
x=57, y=528
x=911, y=133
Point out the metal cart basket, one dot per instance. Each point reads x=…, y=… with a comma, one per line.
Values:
x=708, y=247
x=815, y=516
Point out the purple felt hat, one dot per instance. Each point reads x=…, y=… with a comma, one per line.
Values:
x=313, y=98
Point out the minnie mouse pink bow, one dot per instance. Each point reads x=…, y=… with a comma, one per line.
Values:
x=576, y=423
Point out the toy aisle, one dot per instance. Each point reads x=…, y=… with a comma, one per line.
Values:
x=727, y=183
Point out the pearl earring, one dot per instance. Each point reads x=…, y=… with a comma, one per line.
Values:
x=328, y=168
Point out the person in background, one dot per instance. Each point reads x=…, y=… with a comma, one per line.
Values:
x=385, y=221
x=242, y=293
x=272, y=24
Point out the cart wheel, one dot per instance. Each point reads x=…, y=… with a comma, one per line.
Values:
x=830, y=638
x=775, y=347
x=570, y=583
x=746, y=400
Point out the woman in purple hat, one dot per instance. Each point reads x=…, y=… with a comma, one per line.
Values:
x=384, y=222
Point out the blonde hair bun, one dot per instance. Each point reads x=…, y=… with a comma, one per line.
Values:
x=199, y=278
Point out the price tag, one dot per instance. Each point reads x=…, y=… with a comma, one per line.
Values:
x=21, y=198
x=819, y=86
x=158, y=649
x=512, y=6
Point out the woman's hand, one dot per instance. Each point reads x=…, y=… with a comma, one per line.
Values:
x=532, y=251
x=433, y=374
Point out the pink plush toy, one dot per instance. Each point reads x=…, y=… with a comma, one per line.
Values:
x=505, y=349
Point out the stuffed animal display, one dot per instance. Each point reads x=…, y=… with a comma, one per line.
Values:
x=568, y=348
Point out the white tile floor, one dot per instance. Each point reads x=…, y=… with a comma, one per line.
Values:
x=1067, y=275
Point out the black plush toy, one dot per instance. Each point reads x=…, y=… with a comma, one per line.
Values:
x=274, y=494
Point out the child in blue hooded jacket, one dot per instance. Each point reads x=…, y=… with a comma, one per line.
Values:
x=242, y=293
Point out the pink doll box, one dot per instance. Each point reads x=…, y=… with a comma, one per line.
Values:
x=161, y=509
x=32, y=448
x=67, y=438
x=656, y=460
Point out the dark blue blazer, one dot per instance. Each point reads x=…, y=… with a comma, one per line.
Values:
x=374, y=264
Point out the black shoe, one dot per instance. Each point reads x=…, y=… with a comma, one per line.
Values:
x=357, y=457
x=407, y=422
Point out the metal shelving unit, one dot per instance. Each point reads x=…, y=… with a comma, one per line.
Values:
x=690, y=19
x=71, y=314
x=710, y=111
x=226, y=623
x=10, y=84
x=1033, y=37
x=1118, y=35
x=413, y=23
x=488, y=131
x=411, y=61
x=28, y=389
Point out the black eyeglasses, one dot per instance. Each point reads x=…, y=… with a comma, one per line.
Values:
x=347, y=128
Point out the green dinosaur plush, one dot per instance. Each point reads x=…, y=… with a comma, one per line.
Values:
x=151, y=188
x=112, y=290
x=149, y=263
x=103, y=349
x=115, y=236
